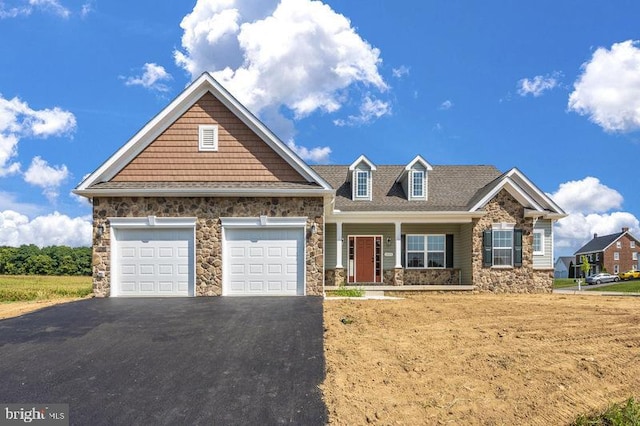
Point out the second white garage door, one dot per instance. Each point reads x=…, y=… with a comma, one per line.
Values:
x=264, y=262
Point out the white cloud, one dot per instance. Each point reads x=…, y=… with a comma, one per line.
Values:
x=587, y=196
x=400, y=72
x=25, y=9
x=608, y=91
x=86, y=9
x=295, y=54
x=318, y=155
x=370, y=110
x=49, y=178
x=446, y=105
x=538, y=84
x=593, y=208
x=53, y=229
x=18, y=120
x=152, y=78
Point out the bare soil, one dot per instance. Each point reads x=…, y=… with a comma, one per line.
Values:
x=15, y=309
x=479, y=359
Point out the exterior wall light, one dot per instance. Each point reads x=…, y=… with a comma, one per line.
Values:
x=100, y=230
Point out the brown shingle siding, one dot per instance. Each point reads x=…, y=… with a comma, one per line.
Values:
x=241, y=156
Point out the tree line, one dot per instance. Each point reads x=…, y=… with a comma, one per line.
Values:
x=54, y=260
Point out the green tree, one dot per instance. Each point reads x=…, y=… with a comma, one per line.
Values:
x=40, y=264
x=585, y=267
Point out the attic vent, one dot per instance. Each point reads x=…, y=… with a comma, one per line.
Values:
x=208, y=137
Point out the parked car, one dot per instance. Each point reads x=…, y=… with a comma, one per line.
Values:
x=602, y=277
x=629, y=275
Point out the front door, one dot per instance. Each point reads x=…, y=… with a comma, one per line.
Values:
x=365, y=259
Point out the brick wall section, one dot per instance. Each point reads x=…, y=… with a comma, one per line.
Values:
x=626, y=262
x=241, y=157
x=208, y=244
x=504, y=208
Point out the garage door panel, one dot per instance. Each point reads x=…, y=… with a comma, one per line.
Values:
x=154, y=262
x=264, y=262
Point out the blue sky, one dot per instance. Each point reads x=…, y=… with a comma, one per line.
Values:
x=552, y=88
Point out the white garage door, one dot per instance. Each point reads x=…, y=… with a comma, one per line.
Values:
x=154, y=262
x=264, y=262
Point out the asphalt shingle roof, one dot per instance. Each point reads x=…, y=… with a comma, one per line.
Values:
x=599, y=243
x=450, y=188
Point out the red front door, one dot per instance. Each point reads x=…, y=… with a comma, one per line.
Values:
x=365, y=259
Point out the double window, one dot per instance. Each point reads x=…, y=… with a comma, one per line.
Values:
x=426, y=251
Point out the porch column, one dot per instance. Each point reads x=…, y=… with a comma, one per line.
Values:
x=398, y=245
x=339, y=245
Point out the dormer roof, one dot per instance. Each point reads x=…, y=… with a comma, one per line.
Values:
x=362, y=159
x=412, y=165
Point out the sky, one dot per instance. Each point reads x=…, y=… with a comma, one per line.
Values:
x=552, y=88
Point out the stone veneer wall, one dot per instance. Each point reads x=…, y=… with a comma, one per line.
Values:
x=524, y=279
x=208, y=244
x=431, y=276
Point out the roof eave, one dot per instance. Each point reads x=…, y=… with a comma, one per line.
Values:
x=202, y=192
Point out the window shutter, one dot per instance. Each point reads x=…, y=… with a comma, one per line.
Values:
x=517, y=247
x=449, y=254
x=487, y=260
x=403, y=261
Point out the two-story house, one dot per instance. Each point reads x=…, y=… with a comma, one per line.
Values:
x=206, y=200
x=614, y=253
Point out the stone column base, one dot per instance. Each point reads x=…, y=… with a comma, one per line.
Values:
x=339, y=276
x=398, y=276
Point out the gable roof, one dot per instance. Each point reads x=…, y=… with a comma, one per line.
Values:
x=418, y=159
x=450, y=188
x=565, y=261
x=536, y=202
x=600, y=243
x=202, y=85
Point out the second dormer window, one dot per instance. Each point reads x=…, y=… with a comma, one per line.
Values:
x=362, y=184
x=417, y=184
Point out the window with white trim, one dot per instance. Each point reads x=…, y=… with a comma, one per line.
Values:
x=616, y=269
x=618, y=244
x=632, y=244
x=362, y=184
x=502, y=247
x=208, y=137
x=597, y=257
x=417, y=184
x=634, y=256
x=538, y=242
x=616, y=255
x=426, y=251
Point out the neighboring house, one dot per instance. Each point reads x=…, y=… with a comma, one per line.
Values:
x=564, y=267
x=614, y=253
x=205, y=200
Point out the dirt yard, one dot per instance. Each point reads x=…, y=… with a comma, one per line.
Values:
x=14, y=309
x=479, y=359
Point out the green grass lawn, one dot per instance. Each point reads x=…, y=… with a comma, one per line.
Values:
x=625, y=287
x=20, y=288
x=564, y=283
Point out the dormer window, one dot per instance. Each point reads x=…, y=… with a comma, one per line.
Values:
x=413, y=179
x=360, y=175
x=417, y=183
x=362, y=181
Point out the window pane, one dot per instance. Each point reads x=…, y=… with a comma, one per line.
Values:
x=418, y=184
x=362, y=188
x=415, y=243
x=435, y=260
x=503, y=239
x=435, y=243
x=537, y=241
x=502, y=257
x=415, y=260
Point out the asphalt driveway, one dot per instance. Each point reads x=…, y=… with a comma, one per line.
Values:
x=210, y=360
